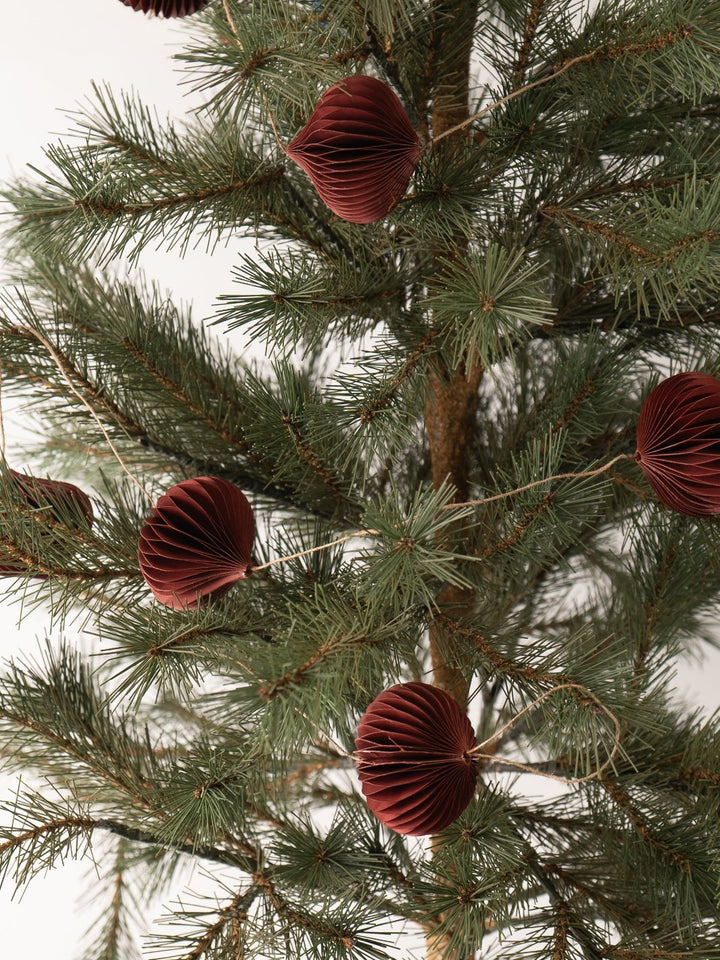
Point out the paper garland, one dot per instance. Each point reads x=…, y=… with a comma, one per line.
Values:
x=198, y=541
x=358, y=148
x=412, y=748
x=678, y=443
x=65, y=504
x=167, y=8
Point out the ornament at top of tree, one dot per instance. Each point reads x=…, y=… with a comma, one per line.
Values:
x=167, y=8
x=56, y=501
x=678, y=443
x=414, y=762
x=197, y=542
x=358, y=148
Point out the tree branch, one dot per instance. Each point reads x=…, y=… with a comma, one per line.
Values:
x=531, y=25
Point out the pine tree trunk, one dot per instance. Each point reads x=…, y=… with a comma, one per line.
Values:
x=452, y=396
x=450, y=413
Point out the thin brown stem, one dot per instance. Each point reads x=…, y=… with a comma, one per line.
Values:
x=108, y=209
x=28, y=563
x=180, y=394
x=228, y=17
x=64, y=823
x=303, y=446
x=628, y=244
x=602, y=52
x=657, y=843
x=136, y=786
x=235, y=912
x=384, y=398
x=2, y=419
x=562, y=929
x=289, y=914
x=531, y=25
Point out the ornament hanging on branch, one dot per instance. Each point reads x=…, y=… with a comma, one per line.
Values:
x=678, y=443
x=167, y=8
x=197, y=542
x=358, y=148
x=67, y=503
x=414, y=762
x=61, y=503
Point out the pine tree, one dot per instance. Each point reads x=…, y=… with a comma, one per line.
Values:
x=438, y=450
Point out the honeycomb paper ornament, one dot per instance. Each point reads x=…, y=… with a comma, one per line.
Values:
x=678, y=443
x=197, y=542
x=167, y=8
x=358, y=148
x=413, y=751
x=62, y=503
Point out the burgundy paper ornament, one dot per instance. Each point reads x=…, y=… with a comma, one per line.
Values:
x=197, y=542
x=65, y=500
x=61, y=502
x=358, y=148
x=413, y=749
x=678, y=443
x=167, y=8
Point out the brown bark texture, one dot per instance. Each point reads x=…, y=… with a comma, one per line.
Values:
x=451, y=395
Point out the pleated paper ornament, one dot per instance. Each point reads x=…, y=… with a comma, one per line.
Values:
x=167, y=8
x=678, y=443
x=358, y=148
x=413, y=751
x=197, y=542
x=59, y=502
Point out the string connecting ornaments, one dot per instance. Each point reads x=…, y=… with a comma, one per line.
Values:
x=418, y=761
x=204, y=544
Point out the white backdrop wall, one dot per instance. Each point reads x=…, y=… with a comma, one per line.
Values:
x=50, y=51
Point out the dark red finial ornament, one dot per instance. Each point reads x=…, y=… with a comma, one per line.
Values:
x=413, y=750
x=678, y=443
x=61, y=502
x=358, y=148
x=197, y=542
x=167, y=8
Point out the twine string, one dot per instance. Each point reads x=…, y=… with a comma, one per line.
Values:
x=317, y=549
x=477, y=750
x=323, y=733
x=58, y=363
x=447, y=506
x=229, y=18
x=272, y=123
x=511, y=96
x=390, y=751
x=538, y=483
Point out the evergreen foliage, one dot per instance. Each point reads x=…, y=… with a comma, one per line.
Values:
x=556, y=254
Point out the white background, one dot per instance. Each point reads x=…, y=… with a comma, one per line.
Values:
x=50, y=50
